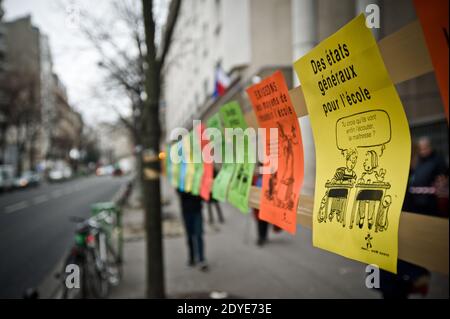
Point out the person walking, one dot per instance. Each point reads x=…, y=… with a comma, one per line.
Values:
x=262, y=226
x=430, y=171
x=191, y=208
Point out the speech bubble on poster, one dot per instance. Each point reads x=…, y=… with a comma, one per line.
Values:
x=365, y=129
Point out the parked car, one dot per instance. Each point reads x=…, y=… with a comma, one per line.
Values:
x=6, y=177
x=106, y=170
x=60, y=173
x=28, y=178
x=117, y=171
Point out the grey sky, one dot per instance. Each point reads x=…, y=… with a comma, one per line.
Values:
x=74, y=60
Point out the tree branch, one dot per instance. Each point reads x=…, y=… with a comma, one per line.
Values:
x=172, y=18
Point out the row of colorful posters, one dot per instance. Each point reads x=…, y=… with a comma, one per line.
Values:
x=234, y=180
x=363, y=146
x=362, y=142
x=280, y=188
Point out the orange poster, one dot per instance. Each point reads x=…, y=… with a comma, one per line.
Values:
x=433, y=16
x=281, y=188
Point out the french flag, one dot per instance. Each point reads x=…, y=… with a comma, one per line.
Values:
x=222, y=82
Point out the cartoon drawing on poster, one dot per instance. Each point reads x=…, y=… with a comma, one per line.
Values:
x=287, y=145
x=362, y=144
x=371, y=202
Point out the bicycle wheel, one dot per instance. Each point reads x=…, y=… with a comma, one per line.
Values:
x=96, y=279
x=113, y=266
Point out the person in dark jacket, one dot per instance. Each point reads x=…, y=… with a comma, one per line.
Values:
x=430, y=168
x=262, y=226
x=427, y=168
x=191, y=208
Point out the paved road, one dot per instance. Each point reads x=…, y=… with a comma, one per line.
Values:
x=35, y=230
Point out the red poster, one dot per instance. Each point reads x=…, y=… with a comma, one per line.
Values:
x=208, y=170
x=281, y=189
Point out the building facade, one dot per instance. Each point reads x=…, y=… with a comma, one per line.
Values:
x=232, y=34
x=38, y=122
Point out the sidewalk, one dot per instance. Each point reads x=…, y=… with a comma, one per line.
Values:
x=287, y=267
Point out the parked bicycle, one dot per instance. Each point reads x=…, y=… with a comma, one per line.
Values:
x=98, y=263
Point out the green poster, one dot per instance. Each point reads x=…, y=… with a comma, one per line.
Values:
x=241, y=180
x=198, y=165
x=240, y=186
x=221, y=182
x=223, y=178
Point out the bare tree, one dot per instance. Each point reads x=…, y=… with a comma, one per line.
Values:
x=21, y=109
x=150, y=174
x=134, y=71
x=119, y=41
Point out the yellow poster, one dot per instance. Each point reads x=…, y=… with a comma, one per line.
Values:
x=362, y=144
x=190, y=167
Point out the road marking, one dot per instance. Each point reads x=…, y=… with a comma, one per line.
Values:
x=15, y=207
x=40, y=199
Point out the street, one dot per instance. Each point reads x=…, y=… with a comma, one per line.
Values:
x=35, y=230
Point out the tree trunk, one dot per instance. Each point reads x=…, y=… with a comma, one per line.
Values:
x=19, y=161
x=2, y=143
x=150, y=172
